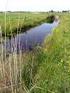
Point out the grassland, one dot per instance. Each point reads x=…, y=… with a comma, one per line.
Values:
x=45, y=69
x=13, y=22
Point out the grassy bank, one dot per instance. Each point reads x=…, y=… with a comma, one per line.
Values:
x=16, y=22
x=53, y=75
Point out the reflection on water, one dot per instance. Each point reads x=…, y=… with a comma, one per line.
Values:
x=30, y=38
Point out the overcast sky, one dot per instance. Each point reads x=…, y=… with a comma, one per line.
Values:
x=34, y=5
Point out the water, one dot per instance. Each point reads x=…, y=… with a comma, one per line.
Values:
x=30, y=38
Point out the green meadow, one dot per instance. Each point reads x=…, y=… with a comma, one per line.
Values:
x=13, y=22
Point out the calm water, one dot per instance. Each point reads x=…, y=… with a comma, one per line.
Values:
x=30, y=38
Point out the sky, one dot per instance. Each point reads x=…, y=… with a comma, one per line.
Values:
x=34, y=5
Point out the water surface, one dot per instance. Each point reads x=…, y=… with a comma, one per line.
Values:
x=30, y=38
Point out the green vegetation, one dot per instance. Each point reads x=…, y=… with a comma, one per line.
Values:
x=45, y=69
x=53, y=63
x=53, y=75
x=17, y=22
x=50, y=18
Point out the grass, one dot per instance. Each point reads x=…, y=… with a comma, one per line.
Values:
x=20, y=21
x=45, y=69
x=53, y=76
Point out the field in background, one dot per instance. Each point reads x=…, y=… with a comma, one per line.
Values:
x=45, y=69
x=13, y=21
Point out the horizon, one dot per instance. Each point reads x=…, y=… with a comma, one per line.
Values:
x=37, y=11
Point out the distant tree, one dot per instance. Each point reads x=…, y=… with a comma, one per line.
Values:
x=51, y=11
x=65, y=11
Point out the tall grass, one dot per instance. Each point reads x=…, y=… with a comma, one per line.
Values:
x=13, y=67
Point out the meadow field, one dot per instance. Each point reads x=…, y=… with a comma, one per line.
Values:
x=11, y=22
x=46, y=69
